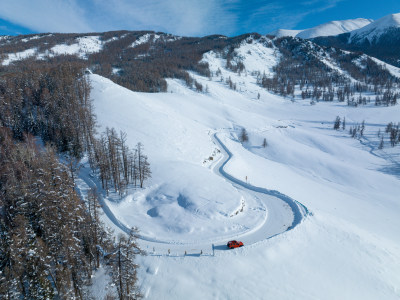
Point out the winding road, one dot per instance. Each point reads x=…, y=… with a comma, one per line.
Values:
x=283, y=214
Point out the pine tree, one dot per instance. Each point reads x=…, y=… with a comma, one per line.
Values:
x=243, y=137
x=336, y=124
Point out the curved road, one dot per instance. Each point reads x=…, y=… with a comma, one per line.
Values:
x=283, y=214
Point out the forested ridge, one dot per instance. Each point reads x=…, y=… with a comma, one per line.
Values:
x=142, y=60
x=51, y=240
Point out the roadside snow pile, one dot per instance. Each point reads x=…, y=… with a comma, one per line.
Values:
x=85, y=45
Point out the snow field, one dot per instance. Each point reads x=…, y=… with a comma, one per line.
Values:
x=83, y=46
x=326, y=29
x=349, y=248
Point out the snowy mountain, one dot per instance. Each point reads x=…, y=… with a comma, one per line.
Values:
x=284, y=32
x=380, y=39
x=327, y=29
x=373, y=31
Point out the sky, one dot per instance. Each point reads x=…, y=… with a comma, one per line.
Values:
x=182, y=17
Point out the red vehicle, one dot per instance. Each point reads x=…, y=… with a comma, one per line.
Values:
x=234, y=244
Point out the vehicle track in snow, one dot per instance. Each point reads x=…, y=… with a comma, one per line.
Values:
x=283, y=214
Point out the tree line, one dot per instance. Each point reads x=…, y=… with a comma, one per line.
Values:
x=51, y=243
x=118, y=165
x=301, y=67
x=50, y=100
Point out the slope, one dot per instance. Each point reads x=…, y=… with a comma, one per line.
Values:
x=372, y=32
x=380, y=39
x=327, y=29
x=349, y=248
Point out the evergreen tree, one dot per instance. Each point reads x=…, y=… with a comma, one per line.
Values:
x=243, y=137
x=336, y=124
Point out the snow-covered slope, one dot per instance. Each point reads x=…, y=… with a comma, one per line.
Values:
x=19, y=56
x=374, y=30
x=83, y=46
x=349, y=248
x=284, y=32
x=326, y=29
x=334, y=28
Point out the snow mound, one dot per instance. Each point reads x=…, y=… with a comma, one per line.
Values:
x=374, y=30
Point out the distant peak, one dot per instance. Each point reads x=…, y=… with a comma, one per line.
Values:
x=377, y=28
x=326, y=29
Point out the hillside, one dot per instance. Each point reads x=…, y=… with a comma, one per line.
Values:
x=380, y=39
x=188, y=206
x=286, y=145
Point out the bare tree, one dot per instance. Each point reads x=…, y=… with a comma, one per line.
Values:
x=265, y=144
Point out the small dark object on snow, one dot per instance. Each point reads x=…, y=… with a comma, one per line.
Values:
x=234, y=244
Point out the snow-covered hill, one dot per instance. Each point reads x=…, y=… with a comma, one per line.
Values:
x=372, y=32
x=42, y=46
x=285, y=32
x=380, y=39
x=327, y=29
x=347, y=248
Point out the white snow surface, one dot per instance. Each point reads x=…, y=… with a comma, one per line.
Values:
x=84, y=45
x=19, y=56
x=285, y=32
x=374, y=30
x=155, y=38
x=141, y=40
x=392, y=69
x=334, y=28
x=326, y=29
x=255, y=55
x=347, y=247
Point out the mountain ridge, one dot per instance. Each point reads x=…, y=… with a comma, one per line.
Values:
x=326, y=29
